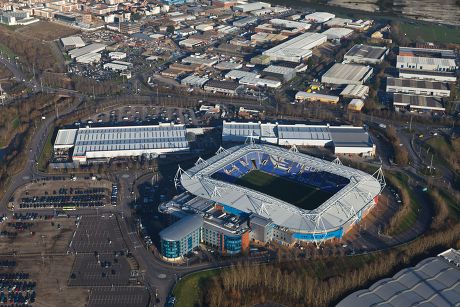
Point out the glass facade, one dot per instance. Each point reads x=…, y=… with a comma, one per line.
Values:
x=232, y=244
x=176, y=249
x=318, y=236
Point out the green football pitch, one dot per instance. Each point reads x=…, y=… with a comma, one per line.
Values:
x=300, y=195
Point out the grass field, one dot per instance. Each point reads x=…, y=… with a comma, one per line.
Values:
x=188, y=289
x=300, y=195
x=431, y=33
x=48, y=31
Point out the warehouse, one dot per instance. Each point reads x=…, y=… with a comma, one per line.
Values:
x=92, y=48
x=89, y=58
x=417, y=87
x=365, y=54
x=249, y=7
x=246, y=21
x=337, y=33
x=115, y=67
x=111, y=142
x=296, y=49
x=223, y=87
x=116, y=55
x=195, y=81
x=259, y=82
x=199, y=60
x=356, y=105
x=281, y=73
x=225, y=65
x=315, y=97
x=442, y=76
x=191, y=43
x=240, y=74
x=343, y=139
x=355, y=91
x=427, y=52
x=289, y=24
x=425, y=63
x=72, y=42
x=418, y=103
x=343, y=74
x=319, y=17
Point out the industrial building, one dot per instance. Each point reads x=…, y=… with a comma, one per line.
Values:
x=117, y=55
x=316, y=97
x=442, y=76
x=223, y=87
x=104, y=143
x=72, y=42
x=249, y=7
x=245, y=21
x=356, y=105
x=365, y=54
x=259, y=82
x=434, y=281
x=195, y=81
x=296, y=49
x=319, y=17
x=89, y=49
x=337, y=33
x=417, y=87
x=282, y=73
x=343, y=139
x=343, y=74
x=426, y=63
x=355, y=91
x=418, y=103
x=115, y=66
x=240, y=74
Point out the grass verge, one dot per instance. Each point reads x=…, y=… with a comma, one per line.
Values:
x=188, y=289
x=431, y=33
x=46, y=153
x=406, y=216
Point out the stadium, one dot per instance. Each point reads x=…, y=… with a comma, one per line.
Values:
x=304, y=198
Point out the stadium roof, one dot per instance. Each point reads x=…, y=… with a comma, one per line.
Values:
x=331, y=215
x=432, y=282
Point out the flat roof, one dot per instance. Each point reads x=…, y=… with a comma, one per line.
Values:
x=355, y=90
x=92, y=48
x=65, y=138
x=433, y=281
x=426, y=61
x=416, y=72
x=300, y=131
x=349, y=72
x=366, y=52
x=181, y=228
x=282, y=70
x=350, y=137
x=413, y=83
x=99, y=139
x=73, y=41
x=228, y=85
x=298, y=46
x=418, y=101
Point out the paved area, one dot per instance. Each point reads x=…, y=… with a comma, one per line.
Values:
x=118, y=297
x=97, y=234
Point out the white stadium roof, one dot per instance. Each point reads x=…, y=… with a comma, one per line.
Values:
x=337, y=211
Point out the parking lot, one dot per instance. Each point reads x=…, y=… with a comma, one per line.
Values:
x=67, y=195
x=146, y=115
x=97, y=234
x=100, y=270
x=118, y=296
x=36, y=236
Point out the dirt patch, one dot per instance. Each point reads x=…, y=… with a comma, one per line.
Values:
x=45, y=30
